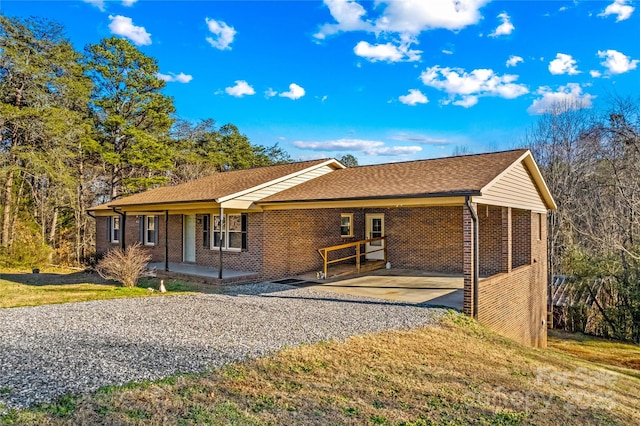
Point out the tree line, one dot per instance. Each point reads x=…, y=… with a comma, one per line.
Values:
x=82, y=128
x=591, y=163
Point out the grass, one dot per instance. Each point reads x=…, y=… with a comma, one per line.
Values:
x=61, y=285
x=457, y=373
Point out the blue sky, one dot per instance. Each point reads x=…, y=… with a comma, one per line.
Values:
x=382, y=80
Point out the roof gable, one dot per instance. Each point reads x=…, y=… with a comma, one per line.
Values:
x=462, y=175
x=221, y=186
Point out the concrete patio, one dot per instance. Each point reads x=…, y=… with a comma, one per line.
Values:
x=402, y=285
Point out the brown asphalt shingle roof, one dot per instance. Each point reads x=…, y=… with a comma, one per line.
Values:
x=211, y=187
x=453, y=175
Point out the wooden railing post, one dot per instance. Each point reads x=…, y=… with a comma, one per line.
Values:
x=384, y=244
x=325, y=263
x=358, y=257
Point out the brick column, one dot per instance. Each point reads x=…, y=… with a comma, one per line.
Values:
x=507, y=240
x=467, y=268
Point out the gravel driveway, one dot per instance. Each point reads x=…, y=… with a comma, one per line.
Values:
x=47, y=351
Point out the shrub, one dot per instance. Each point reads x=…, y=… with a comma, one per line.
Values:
x=27, y=249
x=125, y=266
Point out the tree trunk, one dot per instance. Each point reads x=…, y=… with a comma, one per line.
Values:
x=6, y=212
x=54, y=225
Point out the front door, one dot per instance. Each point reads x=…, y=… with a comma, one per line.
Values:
x=374, y=228
x=189, y=254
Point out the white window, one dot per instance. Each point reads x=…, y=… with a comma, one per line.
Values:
x=346, y=225
x=231, y=234
x=114, y=229
x=150, y=231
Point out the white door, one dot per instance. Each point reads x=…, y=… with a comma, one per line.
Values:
x=189, y=254
x=374, y=228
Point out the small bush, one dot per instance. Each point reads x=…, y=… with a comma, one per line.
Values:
x=124, y=266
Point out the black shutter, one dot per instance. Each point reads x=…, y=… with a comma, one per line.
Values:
x=244, y=231
x=156, y=229
x=206, y=227
x=141, y=220
x=109, y=228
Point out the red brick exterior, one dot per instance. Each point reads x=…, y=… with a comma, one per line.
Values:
x=282, y=243
x=514, y=303
x=132, y=236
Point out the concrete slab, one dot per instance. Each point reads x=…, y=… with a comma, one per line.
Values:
x=407, y=286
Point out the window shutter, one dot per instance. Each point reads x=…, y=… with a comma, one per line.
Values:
x=244, y=231
x=109, y=228
x=206, y=229
x=156, y=222
x=141, y=220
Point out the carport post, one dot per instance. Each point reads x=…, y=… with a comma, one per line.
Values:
x=166, y=240
x=220, y=243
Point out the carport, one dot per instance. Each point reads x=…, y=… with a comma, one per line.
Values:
x=400, y=285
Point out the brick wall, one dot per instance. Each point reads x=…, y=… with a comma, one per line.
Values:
x=521, y=235
x=291, y=239
x=424, y=238
x=514, y=303
x=132, y=236
x=490, y=235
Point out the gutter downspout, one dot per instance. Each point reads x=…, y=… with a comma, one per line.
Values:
x=222, y=224
x=476, y=256
x=90, y=214
x=123, y=224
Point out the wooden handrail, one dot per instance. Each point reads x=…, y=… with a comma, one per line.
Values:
x=324, y=252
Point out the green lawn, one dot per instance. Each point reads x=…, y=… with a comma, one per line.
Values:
x=458, y=373
x=61, y=285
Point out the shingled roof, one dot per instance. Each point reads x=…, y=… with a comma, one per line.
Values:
x=462, y=175
x=212, y=187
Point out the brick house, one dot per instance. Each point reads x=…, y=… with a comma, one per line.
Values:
x=480, y=216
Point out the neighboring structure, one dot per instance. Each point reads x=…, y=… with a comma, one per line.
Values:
x=481, y=216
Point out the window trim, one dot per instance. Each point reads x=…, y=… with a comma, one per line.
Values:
x=146, y=229
x=206, y=231
x=225, y=233
x=350, y=216
x=112, y=229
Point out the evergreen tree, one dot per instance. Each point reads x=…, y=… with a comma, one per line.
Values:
x=132, y=116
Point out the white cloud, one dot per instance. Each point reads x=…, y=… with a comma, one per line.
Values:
x=620, y=8
x=566, y=97
x=421, y=139
x=415, y=16
x=447, y=52
x=505, y=28
x=467, y=101
x=465, y=88
x=241, y=89
x=270, y=93
x=414, y=97
x=563, y=64
x=324, y=98
x=348, y=15
x=123, y=26
x=295, y=92
x=223, y=34
x=367, y=147
x=393, y=151
x=171, y=77
x=514, y=60
x=595, y=73
x=128, y=3
x=387, y=52
x=616, y=62
x=97, y=3
x=401, y=17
